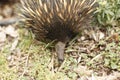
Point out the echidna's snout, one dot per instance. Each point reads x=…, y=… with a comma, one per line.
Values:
x=59, y=47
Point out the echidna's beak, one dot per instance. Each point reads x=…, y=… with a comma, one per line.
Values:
x=59, y=47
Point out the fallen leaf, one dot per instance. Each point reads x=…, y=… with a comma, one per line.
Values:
x=2, y=37
x=11, y=31
x=101, y=35
x=14, y=44
x=83, y=70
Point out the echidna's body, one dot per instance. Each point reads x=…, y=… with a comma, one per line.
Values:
x=58, y=20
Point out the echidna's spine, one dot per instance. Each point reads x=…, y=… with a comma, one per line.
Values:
x=43, y=14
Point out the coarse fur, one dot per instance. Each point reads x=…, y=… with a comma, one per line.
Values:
x=59, y=20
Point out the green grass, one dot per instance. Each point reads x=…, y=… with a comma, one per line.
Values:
x=107, y=14
x=37, y=60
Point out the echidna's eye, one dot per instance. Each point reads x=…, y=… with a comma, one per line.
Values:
x=79, y=14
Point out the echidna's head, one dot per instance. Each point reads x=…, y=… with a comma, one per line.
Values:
x=56, y=19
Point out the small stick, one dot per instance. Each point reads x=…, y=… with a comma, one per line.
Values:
x=9, y=21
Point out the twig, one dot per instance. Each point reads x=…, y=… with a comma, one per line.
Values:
x=9, y=21
x=26, y=64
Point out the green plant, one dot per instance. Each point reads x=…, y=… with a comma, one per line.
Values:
x=108, y=12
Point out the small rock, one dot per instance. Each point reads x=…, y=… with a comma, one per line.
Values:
x=83, y=38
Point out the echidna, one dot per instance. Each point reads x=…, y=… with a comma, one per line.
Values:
x=59, y=20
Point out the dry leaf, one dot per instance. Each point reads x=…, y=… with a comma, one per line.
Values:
x=83, y=70
x=2, y=37
x=101, y=35
x=11, y=31
x=14, y=44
